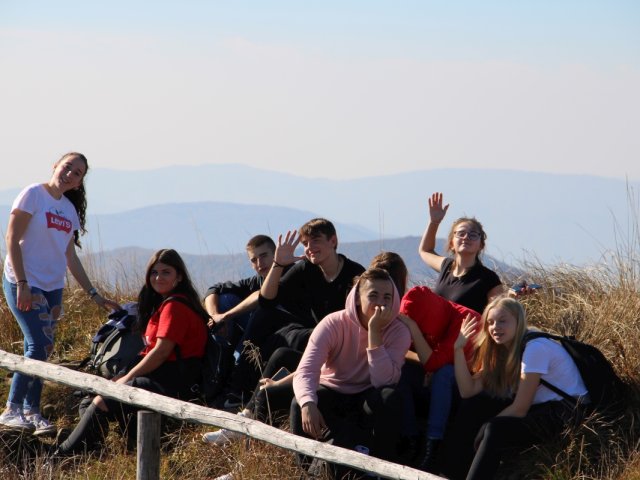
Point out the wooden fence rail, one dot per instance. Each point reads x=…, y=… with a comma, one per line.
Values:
x=208, y=416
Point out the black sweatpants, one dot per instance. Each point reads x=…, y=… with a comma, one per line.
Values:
x=372, y=418
x=479, y=439
x=499, y=435
x=172, y=379
x=270, y=329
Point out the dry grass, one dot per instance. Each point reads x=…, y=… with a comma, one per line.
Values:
x=598, y=305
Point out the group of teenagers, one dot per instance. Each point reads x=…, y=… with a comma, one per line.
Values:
x=435, y=378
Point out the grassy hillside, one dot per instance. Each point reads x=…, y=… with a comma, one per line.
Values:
x=600, y=306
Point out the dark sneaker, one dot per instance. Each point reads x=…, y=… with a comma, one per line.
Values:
x=229, y=401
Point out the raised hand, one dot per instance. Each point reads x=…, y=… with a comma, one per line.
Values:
x=467, y=330
x=436, y=210
x=285, y=250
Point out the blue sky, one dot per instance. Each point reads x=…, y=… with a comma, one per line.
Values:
x=329, y=89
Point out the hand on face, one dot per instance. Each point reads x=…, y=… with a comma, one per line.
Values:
x=381, y=317
x=374, y=301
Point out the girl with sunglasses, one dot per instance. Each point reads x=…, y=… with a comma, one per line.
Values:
x=463, y=278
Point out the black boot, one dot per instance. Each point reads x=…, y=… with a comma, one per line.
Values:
x=428, y=462
x=409, y=449
x=89, y=432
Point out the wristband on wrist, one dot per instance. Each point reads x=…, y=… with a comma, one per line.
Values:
x=20, y=282
x=92, y=292
x=276, y=264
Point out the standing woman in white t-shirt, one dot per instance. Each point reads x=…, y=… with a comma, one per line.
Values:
x=507, y=380
x=44, y=229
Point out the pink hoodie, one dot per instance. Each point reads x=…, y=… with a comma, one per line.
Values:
x=337, y=355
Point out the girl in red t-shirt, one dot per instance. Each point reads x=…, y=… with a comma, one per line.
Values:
x=175, y=331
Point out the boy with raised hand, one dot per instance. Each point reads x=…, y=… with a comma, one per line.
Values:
x=292, y=303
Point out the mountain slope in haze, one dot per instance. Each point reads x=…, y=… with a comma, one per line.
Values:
x=556, y=218
x=124, y=267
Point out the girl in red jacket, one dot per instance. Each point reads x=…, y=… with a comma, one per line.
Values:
x=434, y=323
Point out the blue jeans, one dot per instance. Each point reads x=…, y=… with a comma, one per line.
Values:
x=439, y=393
x=442, y=388
x=226, y=302
x=38, y=326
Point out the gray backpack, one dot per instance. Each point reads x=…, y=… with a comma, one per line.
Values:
x=115, y=347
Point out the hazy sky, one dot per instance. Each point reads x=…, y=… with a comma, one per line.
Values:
x=322, y=89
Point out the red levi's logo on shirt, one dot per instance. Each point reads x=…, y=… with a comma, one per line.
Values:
x=58, y=222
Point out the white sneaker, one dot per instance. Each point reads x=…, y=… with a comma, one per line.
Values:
x=15, y=420
x=42, y=425
x=221, y=437
x=226, y=476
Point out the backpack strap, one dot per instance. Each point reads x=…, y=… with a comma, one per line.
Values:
x=184, y=302
x=532, y=335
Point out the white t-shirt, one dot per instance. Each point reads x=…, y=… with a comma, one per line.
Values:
x=551, y=360
x=46, y=238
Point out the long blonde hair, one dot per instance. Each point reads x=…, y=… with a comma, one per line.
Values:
x=499, y=365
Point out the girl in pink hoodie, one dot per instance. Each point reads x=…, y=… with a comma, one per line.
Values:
x=345, y=383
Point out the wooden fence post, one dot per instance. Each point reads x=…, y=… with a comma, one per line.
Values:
x=148, y=453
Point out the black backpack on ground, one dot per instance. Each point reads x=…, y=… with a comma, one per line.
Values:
x=115, y=347
x=606, y=390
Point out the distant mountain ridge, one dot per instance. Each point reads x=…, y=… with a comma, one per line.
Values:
x=555, y=218
x=124, y=268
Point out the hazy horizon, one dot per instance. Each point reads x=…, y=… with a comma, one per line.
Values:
x=335, y=90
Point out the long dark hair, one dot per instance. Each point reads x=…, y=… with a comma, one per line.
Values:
x=149, y=300
x=78, y=197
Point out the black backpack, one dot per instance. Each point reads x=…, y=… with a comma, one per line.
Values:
x=217, y=363
x=606, y=389
x=115, y=347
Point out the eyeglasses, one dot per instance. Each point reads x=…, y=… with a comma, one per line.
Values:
x=464, y=234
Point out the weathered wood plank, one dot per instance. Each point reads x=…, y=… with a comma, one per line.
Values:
x=209, y=416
